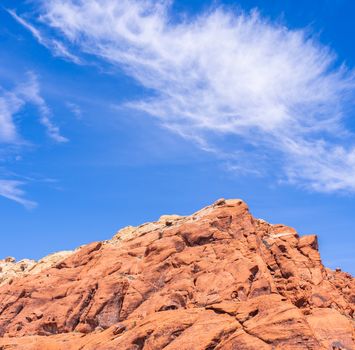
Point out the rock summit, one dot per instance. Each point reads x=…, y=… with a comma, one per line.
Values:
x=219, y=279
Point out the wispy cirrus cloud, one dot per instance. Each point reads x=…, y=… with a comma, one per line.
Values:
x=12, y=103
x=56, y=47
x=30, y=93
x=75, y=109
x=224, y=75
x=11, y=189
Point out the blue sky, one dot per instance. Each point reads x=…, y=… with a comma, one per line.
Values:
x=114, y=113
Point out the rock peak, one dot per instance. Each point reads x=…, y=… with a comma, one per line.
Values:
x=217, y=279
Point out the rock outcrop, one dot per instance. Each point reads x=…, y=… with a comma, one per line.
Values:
x=216, y=280
x=11, y=269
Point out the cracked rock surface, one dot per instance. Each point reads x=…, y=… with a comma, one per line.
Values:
x=218, y=279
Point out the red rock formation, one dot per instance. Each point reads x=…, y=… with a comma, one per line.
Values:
x=219, y=279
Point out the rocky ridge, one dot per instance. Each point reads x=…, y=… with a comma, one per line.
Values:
x=218, y=279
x=11, y=269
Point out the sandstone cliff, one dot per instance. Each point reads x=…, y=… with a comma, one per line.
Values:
x=218, y=279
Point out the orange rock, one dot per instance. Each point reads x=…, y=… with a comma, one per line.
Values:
x=218, y=279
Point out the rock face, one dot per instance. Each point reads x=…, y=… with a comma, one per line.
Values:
x=10, y=269
x=218, y=279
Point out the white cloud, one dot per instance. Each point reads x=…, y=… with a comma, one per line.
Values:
x=12, y=102
x=323, y=167
x=11, y=189
x=223, y=75
x=57, y=48
x=75, y=109
x=30, y=92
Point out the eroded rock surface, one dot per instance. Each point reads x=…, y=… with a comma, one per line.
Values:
x=10, y=269
x=218, y=279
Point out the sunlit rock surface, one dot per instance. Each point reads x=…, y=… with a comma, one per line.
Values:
x=218, y=279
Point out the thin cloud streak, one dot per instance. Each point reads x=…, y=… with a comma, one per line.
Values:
x=75, y=109
x=55, y=46
x=12, y=102
x=30, y=92
x=224, y=75
x=10, y=189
